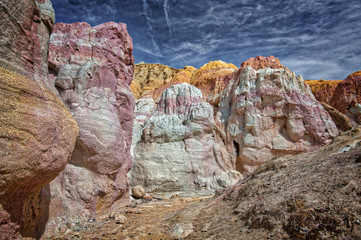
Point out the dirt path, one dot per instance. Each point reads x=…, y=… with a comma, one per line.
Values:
x=143, y=220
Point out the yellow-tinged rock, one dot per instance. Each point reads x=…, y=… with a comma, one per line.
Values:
x=322, y=89
x=150, y=77
x=212, y=78
x=37, y=137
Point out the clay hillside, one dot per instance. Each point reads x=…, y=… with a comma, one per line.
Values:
x=93, y=146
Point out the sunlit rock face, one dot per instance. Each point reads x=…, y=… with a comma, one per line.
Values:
x=268, y=113
x=176, y=147
x=261, y=62
x=37, y=132
x=323, y=90
x=212, y=78
x=149, y=77
x=347, y=97
x=92, y=68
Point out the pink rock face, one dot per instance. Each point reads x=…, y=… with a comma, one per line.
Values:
x=268, y=113
x=92, y=69
x=37, y=132
x=260, y=62
x=347, y=97
x=27, y=38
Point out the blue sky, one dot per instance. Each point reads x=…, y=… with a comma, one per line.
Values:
x=315, y=38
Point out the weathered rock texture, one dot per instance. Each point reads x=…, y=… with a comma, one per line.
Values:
x=92, y=68
x=261, y=62
x=176, y=147
x=149, y=77
x=212, y=78
x=342, y=122
x=37, y=132
x=323, y=90
x=347, y=97
x=151, y=80
x=268, y=113
x=24, y=32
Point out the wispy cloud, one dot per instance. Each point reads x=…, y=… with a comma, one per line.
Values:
x=315, y=38
x=146, y=10
x=166, y=10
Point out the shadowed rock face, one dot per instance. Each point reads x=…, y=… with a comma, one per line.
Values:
x=92, y=69
x=37, y=132
x=268, y=113
x=176, y=147
x=347, y=97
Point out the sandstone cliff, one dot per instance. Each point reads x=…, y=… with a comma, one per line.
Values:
x=347, y=97
x=268, y=113
x=176, y=147
x=323, y=90
x=92, y=69
x=37, y=133
x=150, y=77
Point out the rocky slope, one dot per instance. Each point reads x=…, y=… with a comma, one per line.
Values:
x=37, y=133
x=92, y=68
x=309, y=196
x=176, y=148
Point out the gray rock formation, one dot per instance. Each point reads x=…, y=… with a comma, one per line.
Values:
x=175, y=145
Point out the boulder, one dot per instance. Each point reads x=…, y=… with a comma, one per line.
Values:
x=176, y=148
x=37, y=132
x=92, y=68
x=138, y=191
x=268, y=113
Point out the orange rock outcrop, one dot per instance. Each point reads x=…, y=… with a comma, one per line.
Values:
x=212, y=78
x=322, y=89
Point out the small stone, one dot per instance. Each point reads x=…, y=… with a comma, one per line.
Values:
x=138, y=191
x=120, y=218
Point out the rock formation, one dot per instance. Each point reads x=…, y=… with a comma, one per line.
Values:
x=347, y=97
x=176, y=147
x=92, y=68
x=212, y=78
x=268, y=113
x=152, y=79
x=37, y=132
x=261, y=62
x=149, y=77
x=323, y=90
x=342, y=122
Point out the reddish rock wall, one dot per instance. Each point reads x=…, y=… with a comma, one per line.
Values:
x=347, y=97
x=92, y=68
x=37, y=132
